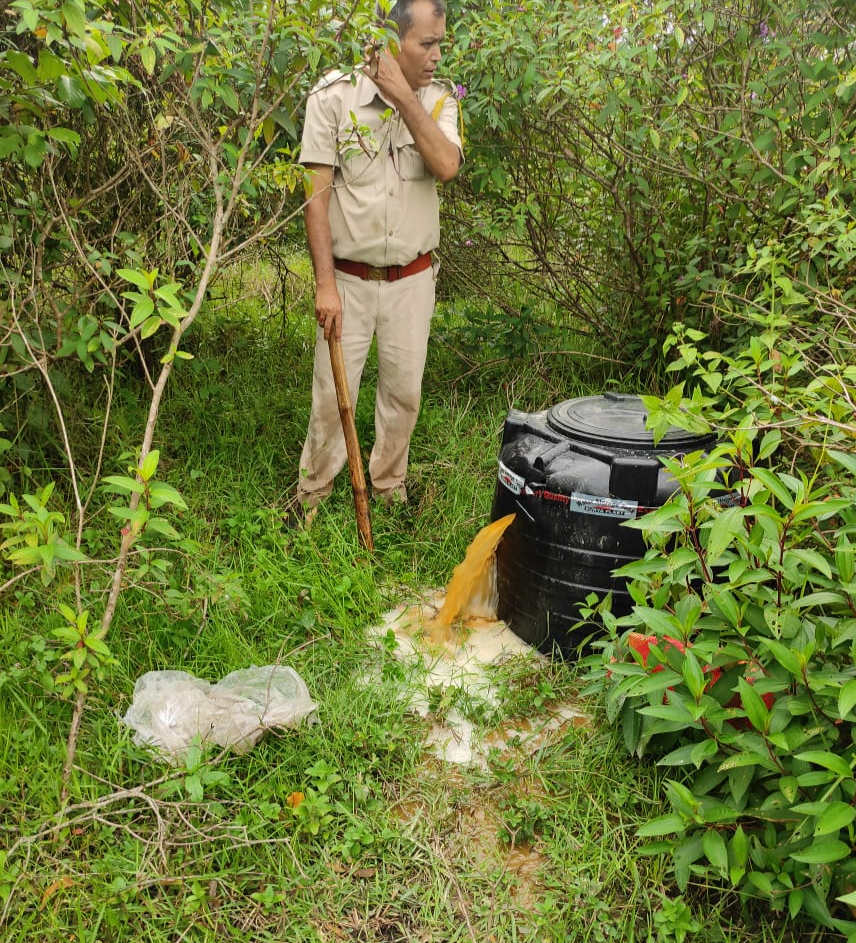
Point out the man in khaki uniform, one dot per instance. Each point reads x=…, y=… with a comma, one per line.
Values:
x=376, y=144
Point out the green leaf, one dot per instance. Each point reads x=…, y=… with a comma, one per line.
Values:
x=148, y=58
x=68, y=553
x=669, y=712
x=685, y=855
x=137, y=278
x=739, y=847
x=789, y=787
x=230, y=99
x=722, y=532
x=715, y=850
x=771, y=481
x=845, y=559
x=683, y=756
x=829, y=761
x=97, y=646
x=67, y=613
x=836, y=815
x=660, y=623
x=23, y=65
x=172, y=316
x=846, y=459
x=846, y=699
x=142, y=309
x=115, y=45
x=664, y=825
x=786, y=657
x=72, y=91
x=825, y=598
x=693, y=675
x=149, y=465
x=755, y=708
x=705, y=750
x=195, y=790
x=161, y=526
x=150, y=326
x=10, y=142
x=747, y=758
x=124, y=484
x=762, y=881
x=35, y=150
x=161, y=493
x=167, y=293
x=795, y=902
x=656, y=681
x=65, y=136
x=654, y=848
x=67, y=634
x=823, y=852
x=75, y=19
x=812, y=559
x=820, y=510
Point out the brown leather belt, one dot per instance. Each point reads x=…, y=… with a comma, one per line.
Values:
x=383, y=273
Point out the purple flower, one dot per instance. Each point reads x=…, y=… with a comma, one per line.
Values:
x=763, y=30
x=469, y=242
x=460, y=90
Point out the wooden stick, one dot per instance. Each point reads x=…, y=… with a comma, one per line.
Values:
x=355, y=461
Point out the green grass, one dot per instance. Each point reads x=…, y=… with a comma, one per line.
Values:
x=387, y=844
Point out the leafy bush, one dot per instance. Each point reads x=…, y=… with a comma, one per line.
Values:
x=621, y=156
x=736, y=666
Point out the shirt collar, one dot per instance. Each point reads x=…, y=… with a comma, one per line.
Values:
x=367, y=91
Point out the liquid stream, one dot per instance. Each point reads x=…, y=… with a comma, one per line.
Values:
x=472, y=592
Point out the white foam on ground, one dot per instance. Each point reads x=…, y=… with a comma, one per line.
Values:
x=462, y=661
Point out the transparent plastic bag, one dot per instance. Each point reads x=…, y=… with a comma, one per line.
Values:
x=171, y=708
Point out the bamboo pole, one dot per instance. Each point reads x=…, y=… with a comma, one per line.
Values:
x=355, y=462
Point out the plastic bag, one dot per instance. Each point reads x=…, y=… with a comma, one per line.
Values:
x=171, y=708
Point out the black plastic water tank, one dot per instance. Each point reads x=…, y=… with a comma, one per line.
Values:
x=573, y=474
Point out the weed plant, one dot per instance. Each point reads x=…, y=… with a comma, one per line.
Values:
x=345, y=829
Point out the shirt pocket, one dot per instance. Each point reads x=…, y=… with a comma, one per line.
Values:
x=355, y=165
x=410, y=163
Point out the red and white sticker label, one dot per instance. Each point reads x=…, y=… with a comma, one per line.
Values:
x=579, y=503
x=605, y=507
x=512, y=481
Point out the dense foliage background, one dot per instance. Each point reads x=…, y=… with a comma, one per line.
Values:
x=654, y=192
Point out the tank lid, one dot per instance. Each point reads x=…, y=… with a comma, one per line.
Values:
x=617, y=420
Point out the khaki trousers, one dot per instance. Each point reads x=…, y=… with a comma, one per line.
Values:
x=399, y=315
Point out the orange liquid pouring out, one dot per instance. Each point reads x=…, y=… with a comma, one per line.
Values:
x=472, y=591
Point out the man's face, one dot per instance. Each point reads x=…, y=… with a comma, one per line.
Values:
x=419, y=51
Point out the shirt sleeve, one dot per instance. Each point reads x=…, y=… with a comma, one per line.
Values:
x=450, y=121
x=318, y=145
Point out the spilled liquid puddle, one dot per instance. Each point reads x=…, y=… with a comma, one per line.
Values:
x=479, y=834
x=448, y=644
x=451, y=639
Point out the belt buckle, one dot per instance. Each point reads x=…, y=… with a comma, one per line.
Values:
x=376, y=273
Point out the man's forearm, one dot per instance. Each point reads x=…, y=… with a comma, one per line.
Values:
x=441, y=156
x=320, y=240
x=318, y=233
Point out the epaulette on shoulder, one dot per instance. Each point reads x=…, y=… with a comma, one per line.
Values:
x=446, y=84
x=447, y=89
x=331, y=78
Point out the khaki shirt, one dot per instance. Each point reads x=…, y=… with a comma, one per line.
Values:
x=384, y=209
